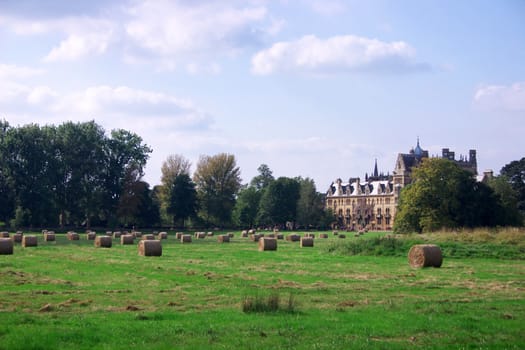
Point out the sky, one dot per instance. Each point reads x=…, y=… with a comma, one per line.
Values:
x=312, y=88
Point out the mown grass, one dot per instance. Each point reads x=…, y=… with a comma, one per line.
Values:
x=67, y=295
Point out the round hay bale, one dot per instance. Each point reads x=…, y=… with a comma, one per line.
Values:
x=90, y=236
x=4, y=234
x=251, y=232
x=185, y=239
x=210, y=234
x=162, y=235
x=127, y=239
x=73, y=236
x=256, y=237
x=425, y=255
x=309, y=235
x=279, y=236
x=29, y=241
x=200, y=235
x=6, y=246
x=307, y=242
x=103, y=241
x=231, y=234
x=293, y=238
x=342, y=236
x=178, y=235
x=323, y=235
x=270, y=235
x=244, y=234
x=17, y=237
x=148, y=237
x=335, y=233
x=117, y=234
x=267, y=243
x=109, y=233
x=150, y=248
x=49, y=237
x=223, y=239
x=137, y=234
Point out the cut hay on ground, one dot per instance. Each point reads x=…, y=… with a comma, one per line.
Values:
x=127, y=239
x=150, y=248
x=103, y=242
x=29, y=241
x=223, y=239
x=162, y=235
x=425, y=255
x=307, y=242
x=185, y=239
x=6, y=246
x=267, y=243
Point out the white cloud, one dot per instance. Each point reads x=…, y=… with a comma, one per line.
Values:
x=8, y=72
x=338, y=53
x=327, y=7
x=80, y=45
x=506, y=97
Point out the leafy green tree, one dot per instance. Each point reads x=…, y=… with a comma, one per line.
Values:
x=7, y=193
x=309, y=205
x=265, y=177
x=183, y=199
x=508, y=199
x=247, y=207
x=279, y=202
x=172, y=167
x=515, y=173
x=443, y=195
x=217, y=180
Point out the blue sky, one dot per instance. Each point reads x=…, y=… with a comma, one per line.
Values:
x=312, y=88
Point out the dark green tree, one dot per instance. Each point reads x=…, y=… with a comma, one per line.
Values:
x=515, y=173
x=309, y=205
x=218, y=181
x=443, y=195
x=508, y=199
x=183, y=199
x=247, y=207
x=7, y=193
x=263, y=180
x=279, y=202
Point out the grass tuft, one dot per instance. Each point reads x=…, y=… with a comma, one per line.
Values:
x=271, y=303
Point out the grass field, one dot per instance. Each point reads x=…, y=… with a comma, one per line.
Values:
x=71, y=295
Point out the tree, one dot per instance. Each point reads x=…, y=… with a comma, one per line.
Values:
x=264, y=178
x=7, y=193
x=172, y=167
x=508, y=199
x=443, y=195
x=279, y=202
x=183, y=199
x=515, y=173
x=310, y=204
x=217, y=180
x=247, y=207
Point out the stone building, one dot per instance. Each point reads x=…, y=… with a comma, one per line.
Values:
x=372, y=203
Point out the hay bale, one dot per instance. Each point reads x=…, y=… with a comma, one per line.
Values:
x=279, y=236
x=270, y=235
x=223, y=238
x=137, y=234
x=29, y=241
x=200, y=235
x=209, y=234
x=267, y=243
x=342, y=236
x=293, y=238
x=90, y=236
x=162, y=235
x=117, y=234
x=178, y=235
x=49, y=237
x=148, y=237
x=127, y=239
x=256, y=237
x=185, y=239
x=6, y=246
x=307, y=242
x=231, y=234
x=425, y=255
x=323, y=235
x=309, y=235
x=335, y=233
x=17, y=238
x=73, y=236
x=150, y=248
x=103, y=242
x=244, y=234
x=4, y=234
x=109, y=233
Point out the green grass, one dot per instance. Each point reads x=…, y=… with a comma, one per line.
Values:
x=70, y=295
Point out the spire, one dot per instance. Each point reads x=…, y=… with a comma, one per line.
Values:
x=418, y=151
x=375, y=169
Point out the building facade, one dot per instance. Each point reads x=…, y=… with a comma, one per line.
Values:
x=372, y=203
